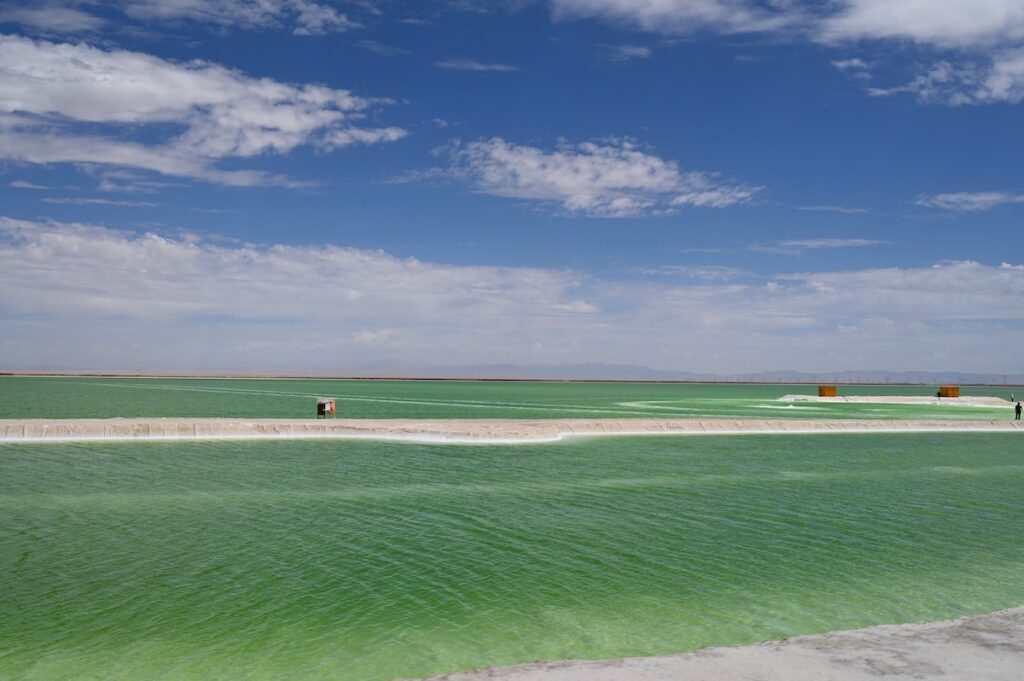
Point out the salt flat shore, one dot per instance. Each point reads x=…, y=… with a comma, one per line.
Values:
x=981, y=648
x=972, y=401
x=454, y=430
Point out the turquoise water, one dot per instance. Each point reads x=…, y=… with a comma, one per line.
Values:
x=67, y=397
x=370, y=560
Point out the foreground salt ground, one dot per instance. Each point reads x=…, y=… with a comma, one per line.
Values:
x=981, y=648
x=455, y=430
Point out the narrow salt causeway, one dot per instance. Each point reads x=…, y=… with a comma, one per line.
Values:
x=978, y=401
x=985, y=647
x=454, y=430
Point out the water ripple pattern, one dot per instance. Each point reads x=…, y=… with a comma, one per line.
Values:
x=372, y=560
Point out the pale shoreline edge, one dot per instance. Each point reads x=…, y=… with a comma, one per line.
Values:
x=987, y=647
x=456, y=431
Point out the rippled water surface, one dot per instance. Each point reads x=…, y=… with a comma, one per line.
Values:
x=71, y=397
x=364, y=560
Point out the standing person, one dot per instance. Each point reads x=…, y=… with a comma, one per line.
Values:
x=1016, y=411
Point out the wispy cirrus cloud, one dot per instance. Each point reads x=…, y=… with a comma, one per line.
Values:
x=999, y=78
x=120, y=299
x=848, y=210
x=92, y=201
x=25, y=184
x=685, y=16
x=301, y=17
x=850, y=64
x=614, y=179
x=382, y=49
x=73, y=103
x=702, y=272
x=474, y=65
x=968, y=202
x=627, y=52
x=801, y=246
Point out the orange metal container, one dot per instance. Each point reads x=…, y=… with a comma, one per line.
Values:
x=827, y=391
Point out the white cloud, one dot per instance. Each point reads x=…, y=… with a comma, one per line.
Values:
x=984, y=62
x=981, y=39
x=1003, y=81
x=801, y=246
x=46, y=88
x=965, y=202
x=945, y=23
x=939, y=23
x=604, y=180
x=1000, y=79
x=685, y=16
x=114, y=299
x=473, y=65
x=50, y=18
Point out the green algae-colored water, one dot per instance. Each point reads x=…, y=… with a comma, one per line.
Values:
x=359, y=560
x=370, y=560
x=72, y=397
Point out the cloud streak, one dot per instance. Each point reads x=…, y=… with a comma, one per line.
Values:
x=473, y=65
x=89, y=201
x=969, y=202
x=801, y=246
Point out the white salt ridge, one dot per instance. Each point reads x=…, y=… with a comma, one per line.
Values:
x=455, y=431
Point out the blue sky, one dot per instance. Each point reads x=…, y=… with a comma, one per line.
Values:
x=704, y=185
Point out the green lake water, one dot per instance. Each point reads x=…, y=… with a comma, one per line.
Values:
x=364, y=561
x=370, y=560
x=71, y=397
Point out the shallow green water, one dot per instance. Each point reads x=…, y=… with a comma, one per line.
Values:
x=67, y=397
x=364, y=560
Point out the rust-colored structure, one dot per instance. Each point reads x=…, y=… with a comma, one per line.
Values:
x=949, y=391
x=827, y=391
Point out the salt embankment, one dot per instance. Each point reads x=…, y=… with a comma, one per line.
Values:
x=972, y=401
x=981, y=648
x=454, y=430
